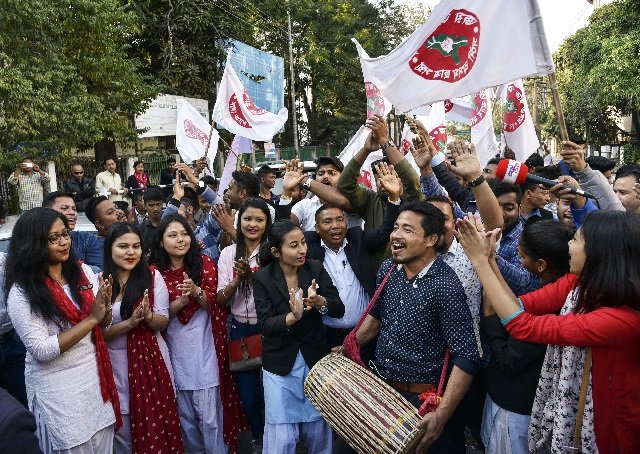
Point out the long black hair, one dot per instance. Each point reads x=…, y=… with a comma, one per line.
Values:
x=28, y=260
x=610, y=276
x=253, y=202
x=139, y=278
x=241, y=246
x=548, y=240
x=275, y=239
x=159, y=257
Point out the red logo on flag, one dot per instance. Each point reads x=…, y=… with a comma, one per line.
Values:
x=365, y=178
x=236, y=112
x=439, y=137
x=193, y=132
x=448, y=105
x=375, y=101
x=451, y=50
x=479, y=107
x=514, y=114
x=248, y=102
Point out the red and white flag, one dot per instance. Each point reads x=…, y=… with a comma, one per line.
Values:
x=355, y=144
x=482, y=133
x=519, y=132
x=464, y=47
x=236, y=112
x=192, y=134
x=457, y=110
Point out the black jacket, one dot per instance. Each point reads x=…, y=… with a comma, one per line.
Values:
x=360, y=246
x=133, y=184
x=82, y=191
x=17, y=427
x=280, y=344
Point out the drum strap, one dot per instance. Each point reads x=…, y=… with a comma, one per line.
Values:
x=350, y=345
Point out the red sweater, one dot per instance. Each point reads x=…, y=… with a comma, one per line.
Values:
x=613, y=333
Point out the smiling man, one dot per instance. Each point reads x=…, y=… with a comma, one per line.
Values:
x=422, y=312
x=103, y=213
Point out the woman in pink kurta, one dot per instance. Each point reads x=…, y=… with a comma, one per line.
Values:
x=595, y=307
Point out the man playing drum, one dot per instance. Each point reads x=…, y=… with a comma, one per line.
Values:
x=421, y=313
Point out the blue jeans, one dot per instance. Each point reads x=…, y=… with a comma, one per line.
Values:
x=249, y=383
x=12, y=355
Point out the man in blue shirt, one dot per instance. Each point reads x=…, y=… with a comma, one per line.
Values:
x=421, y=313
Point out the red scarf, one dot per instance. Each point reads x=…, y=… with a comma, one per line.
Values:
x=142, y=179
x=155, y=422
x=173, y=278
x=75, y=316
x=234, y=420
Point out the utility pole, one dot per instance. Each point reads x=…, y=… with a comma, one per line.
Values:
x=293, y=92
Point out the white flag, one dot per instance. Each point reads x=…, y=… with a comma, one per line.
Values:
x=458, y=110
x=236, y=112
x=464, y=47
x=519, y=132
x=482, y=134
x=355, y=144
x=238, y=146
x=192, y=134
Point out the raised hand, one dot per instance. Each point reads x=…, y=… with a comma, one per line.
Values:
x=136, y=317
x=188, y=287
x=182, y=167
x=467, y=165
x=102, y=303
x=389, y=180
x=478, y=246
x=224, y=219
x=423, y=150
x=295, y=303
x=242, y=270
x=178, y=190
x=379, y=128
x=573, y=155
x=147, y=313
x=416, y=126
x=293, y=176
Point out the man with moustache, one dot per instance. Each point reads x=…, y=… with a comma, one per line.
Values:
x=421, y=313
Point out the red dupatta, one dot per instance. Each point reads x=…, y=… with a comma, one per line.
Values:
x=234, y=420
x=142, y=179
x=75, y=316
x=155, y=422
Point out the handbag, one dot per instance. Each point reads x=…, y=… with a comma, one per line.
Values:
x=245, y=353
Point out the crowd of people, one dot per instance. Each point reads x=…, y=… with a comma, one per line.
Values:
x=526, y=298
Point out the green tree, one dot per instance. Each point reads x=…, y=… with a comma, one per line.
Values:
x=599, y=73
x=67, y=79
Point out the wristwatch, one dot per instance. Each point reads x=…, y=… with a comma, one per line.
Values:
x=324, y=309
x=476, y=181
x=387, y=145
x=307, y=185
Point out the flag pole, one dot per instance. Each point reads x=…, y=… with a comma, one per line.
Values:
x=551, y=74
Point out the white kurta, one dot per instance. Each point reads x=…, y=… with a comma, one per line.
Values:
x=63, y=388
x=118, y=346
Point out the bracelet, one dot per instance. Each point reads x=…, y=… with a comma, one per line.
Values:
x=109, y=325
x=476, y=181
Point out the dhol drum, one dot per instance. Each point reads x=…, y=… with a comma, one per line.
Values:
x=365, y=411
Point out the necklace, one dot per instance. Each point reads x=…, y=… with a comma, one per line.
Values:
x=61, y=281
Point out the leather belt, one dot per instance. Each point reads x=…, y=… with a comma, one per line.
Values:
x=417, y=388
x=6, y=337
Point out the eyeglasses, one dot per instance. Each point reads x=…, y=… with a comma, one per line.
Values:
x=55, y=237
x=78, y=173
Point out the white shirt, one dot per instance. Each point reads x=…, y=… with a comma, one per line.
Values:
x=305, y=211
x=457, y=259
x=243, y=307
x=118, y=346
x=351, y=292
x=192, y=352
x=64, y=387
x=107, y=180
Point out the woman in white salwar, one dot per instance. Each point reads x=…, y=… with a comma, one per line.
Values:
x=57, y=307
x=291, y=294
